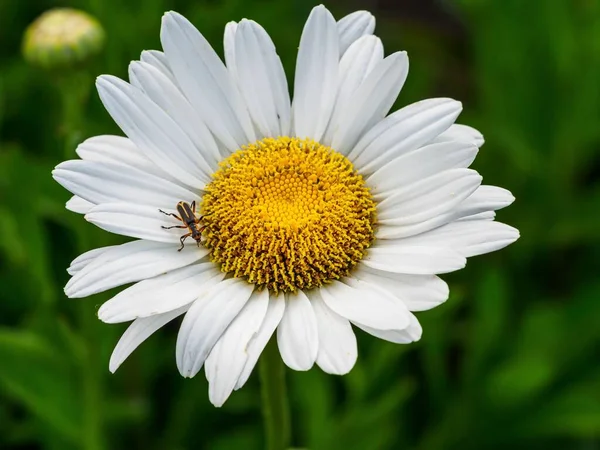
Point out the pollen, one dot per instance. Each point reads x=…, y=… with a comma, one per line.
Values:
x=287, y=214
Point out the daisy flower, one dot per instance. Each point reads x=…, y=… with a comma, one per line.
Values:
x=301, y=216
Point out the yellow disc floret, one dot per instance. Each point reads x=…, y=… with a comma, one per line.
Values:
x=287, y=214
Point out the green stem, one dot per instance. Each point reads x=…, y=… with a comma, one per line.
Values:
x=275, y=405
x=92, y=389
x=74, y=91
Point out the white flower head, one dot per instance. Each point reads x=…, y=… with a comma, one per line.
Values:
x=301, y=218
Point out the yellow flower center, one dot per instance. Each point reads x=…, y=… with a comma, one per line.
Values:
x=287, y=214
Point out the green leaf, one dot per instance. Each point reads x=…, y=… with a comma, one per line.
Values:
x=33, y=374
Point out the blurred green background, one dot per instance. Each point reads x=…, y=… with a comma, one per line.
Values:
x=512, y=360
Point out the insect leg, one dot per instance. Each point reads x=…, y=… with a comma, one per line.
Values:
x=170, y=214
x=183, y=238
x=174, y=226
x=193, y=206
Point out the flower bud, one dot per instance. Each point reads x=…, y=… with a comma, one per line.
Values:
x=62, y=37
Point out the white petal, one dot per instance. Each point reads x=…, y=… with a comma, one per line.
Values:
x=85, y=258
x=420, y=164
x=297, y=335
x=99, y=182
x=414, y=260
x=469, y=238
x=487, y=215
x=205, y=322
x=229, y=48
x=158, y=60
x=79, y=205
x=358, y=61
x=258, y=343
x=412, y=333
x=127, y=263
x=372, y=101
x=229, y=355
x=417, y=292
x=138, y=332
x=152, y=130
x=353, y=26
x=337, y=343
x=316, y=76
x=406, y=129
x=138, y=221
x=428, y=198
x=461, y=133
x=261, y=79
x=365, y=303
x=161, y=294
x=206, y=82
x=119, y=150
x=165, y=94
x=483, y=200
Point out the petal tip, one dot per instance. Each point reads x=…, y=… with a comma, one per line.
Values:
x=102, y=80
x=69, y=290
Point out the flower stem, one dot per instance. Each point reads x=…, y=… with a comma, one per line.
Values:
x=73, y=88
x=74, y=91
x=276, y=413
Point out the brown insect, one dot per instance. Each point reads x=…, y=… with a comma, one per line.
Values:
x=187, y=215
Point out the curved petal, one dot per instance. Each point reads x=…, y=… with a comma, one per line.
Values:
x=152, y=130
x=229, y=48
x=159, y=61
x=483, y=200
x=469, y=238
x=85, y=258
x=127, y=263
x=205, y=322
x=78, y=205
x=167, y=95
x=261, y=79
x=412, y=333
x=161, y=294
x=487, y=215
x=406, y=129
x=206, y=82
x=372, y=101
x=138, y=332
x=417, y=292
x=428, y=198
x=316, y=75
x=258, y=343
x=420, y=164
x=415, y=260
x=99, y=182
x=353, y=26
x=365, y=303
x=461, y=133
x=119, y=150
x=229, y=355
x=137, y=221
x=358, y=61
x=337, y=343
x=297, y=335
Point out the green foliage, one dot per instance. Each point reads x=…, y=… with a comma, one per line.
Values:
x=510, y=361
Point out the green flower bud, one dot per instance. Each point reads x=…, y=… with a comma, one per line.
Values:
x=61, y=38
